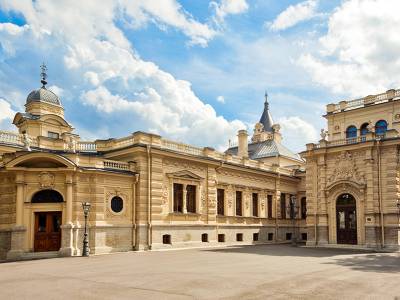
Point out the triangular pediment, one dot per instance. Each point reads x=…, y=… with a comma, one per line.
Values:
x=185, y=174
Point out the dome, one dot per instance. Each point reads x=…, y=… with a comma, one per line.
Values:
x=43, y=95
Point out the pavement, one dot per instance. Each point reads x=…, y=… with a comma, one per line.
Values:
x=247, y=272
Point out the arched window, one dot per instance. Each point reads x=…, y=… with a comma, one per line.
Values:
x=47, y=196
x=381, y=127
x=351, y=132
x=364, y=129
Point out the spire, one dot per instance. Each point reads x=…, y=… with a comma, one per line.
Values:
x=266, y=118
x=43, y=74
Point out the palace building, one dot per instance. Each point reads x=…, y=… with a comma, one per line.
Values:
x=147, y=192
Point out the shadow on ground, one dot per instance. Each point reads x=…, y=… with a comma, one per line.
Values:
x=377, y=262
x=288, y=250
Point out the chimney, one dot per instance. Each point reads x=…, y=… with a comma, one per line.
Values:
x=242, y=143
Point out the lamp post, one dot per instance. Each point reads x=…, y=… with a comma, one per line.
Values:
x=86, y=208
x=293, y=210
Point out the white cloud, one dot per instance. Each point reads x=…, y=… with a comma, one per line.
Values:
x=6, y=113
x=170, y=13
x=294, y=14
x=221, y=99
x=297, y=131
x=107, y=74
x=359, y=54
x=228, y=7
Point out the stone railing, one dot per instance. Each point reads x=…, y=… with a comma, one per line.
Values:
x=86, y=147
x=389, y=134
x=116, y=165
x=361, y=102
x=183, y=148
x=15, y=139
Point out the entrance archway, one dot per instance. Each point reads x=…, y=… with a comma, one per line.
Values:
x=346, y=219
x=47, y=230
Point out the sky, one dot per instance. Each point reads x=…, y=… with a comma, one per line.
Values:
x=197, y=71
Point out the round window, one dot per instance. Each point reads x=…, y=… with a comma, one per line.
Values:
x=117, y=204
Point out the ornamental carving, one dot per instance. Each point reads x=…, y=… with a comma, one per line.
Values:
x=164, y=194
x=262, y=205
x=230, y=196
x=182, y=165
x=212, y=202
x=46, y=180
x=346, y=169
x=109, y=195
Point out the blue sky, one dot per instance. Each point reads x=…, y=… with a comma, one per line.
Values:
x=196, y=71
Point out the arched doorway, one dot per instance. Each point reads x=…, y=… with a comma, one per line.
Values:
x=47, y=230
x=346, y=219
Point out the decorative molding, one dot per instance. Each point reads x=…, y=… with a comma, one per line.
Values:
x=182, y=165
x=184, y=174
x=346, y=169
x=46, y=180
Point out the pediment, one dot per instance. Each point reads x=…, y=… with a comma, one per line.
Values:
x=184, y=174
x=40, y=160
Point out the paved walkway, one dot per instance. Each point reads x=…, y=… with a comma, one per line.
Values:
x=248, y=272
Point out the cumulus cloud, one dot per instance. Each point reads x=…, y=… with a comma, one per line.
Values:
x=359, y=53
x=167, y=12
x=105, y=72
x=294, y=14
x=228, y=7
x=297, y=131
x=6, y=111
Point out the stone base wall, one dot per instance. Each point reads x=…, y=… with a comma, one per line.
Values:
x=5, y=243
x=181, y=236
x=106, y=239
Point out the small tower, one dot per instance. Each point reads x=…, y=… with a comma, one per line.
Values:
x=44, y=114
x=263, y=130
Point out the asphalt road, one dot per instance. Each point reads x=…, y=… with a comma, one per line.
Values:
x=248, y=272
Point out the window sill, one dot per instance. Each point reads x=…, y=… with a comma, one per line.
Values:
x=183, y=214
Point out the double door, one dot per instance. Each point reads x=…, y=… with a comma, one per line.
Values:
x=47, y=231
x=346, y=225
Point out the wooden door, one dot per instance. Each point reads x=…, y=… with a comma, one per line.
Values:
x=346, y=221
x=47, y=231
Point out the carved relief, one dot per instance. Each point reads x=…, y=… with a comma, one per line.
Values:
x=164, y=195
x=46, y=180
x=182, y=165
x=230, y=196
x=346, y=169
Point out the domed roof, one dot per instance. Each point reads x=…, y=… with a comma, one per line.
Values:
x=43, y=95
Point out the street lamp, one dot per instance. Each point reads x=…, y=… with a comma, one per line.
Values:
x=293, y=210
x=86, y=208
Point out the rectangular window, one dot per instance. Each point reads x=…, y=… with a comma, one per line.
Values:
x=53, y=135
x=304, y=236
x=288, y=236
x=204, y=238
x=238, y=203
x=178, y=197
x=220, y=201
x=270, y=236
x=191, y=198
x=283, y=206
x=166, y=239
x=239, y=237
x=221, y=238
x=255, y=237
x=303, y=208
x=269, y=203
x=255, y=204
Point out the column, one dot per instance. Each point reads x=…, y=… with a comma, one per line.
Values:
x=184, y=208
x=18, y=232
x=67, y=248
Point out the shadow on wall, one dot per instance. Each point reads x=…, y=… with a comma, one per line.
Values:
x=287, y=250
x=379, y=262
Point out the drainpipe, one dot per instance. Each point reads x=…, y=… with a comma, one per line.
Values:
x=315, y=211
x=134, y=235
x=378, y=149
x=149, y=229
